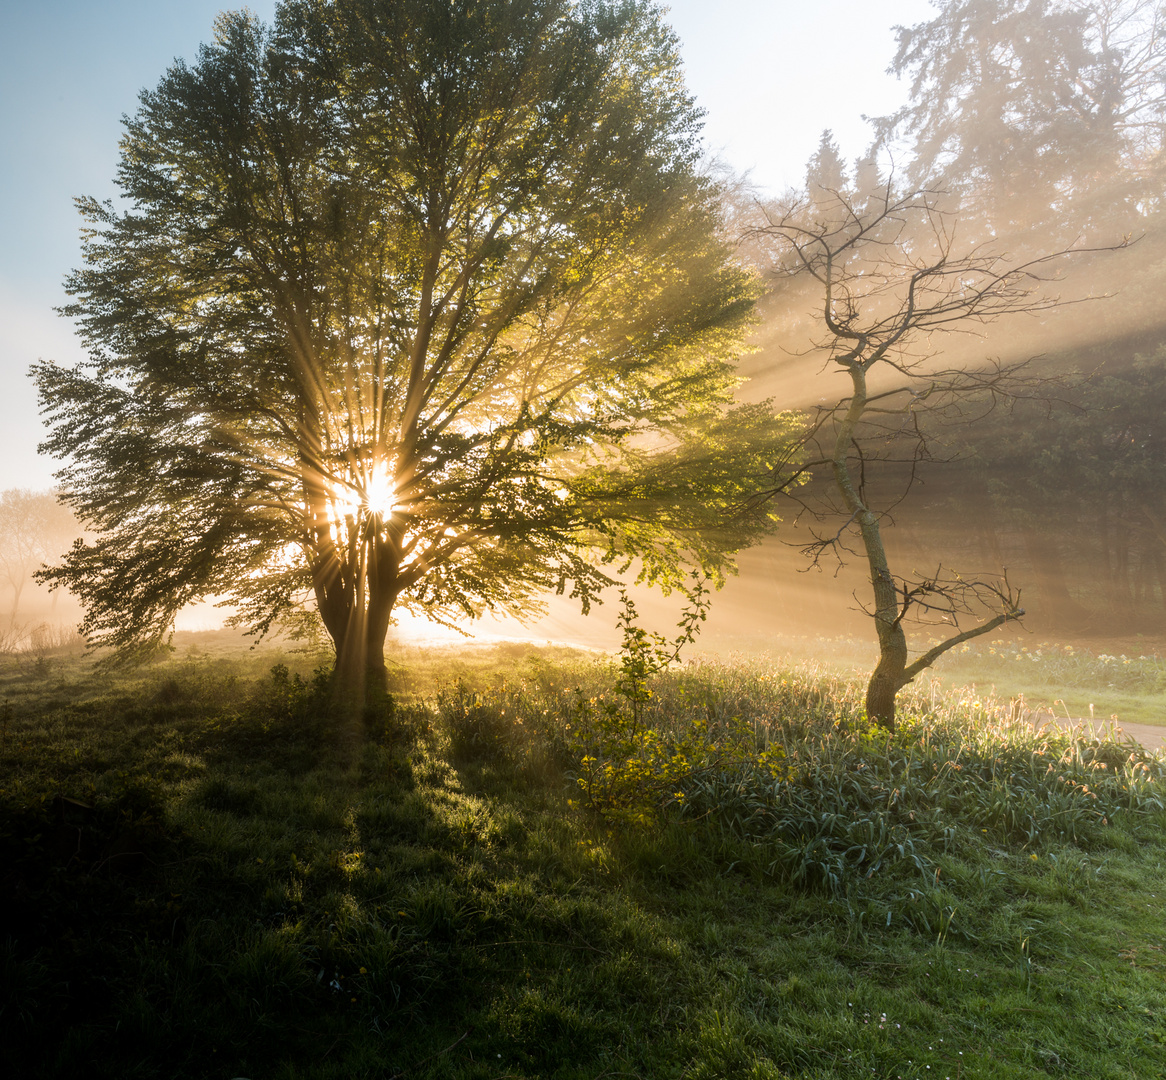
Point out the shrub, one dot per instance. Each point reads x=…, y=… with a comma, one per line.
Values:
x=631, y=770
x=477, y=723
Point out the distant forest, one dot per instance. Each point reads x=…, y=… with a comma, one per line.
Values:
x=1040, y=127
x=35, y=529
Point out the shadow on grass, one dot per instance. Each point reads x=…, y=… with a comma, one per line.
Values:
x=423, y=903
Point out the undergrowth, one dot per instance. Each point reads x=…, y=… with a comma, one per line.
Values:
x=568, y=868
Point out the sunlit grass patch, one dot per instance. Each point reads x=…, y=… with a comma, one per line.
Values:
x=1070, y=680
x=1067, y=680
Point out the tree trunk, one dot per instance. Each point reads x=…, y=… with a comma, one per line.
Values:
x=355, y=599
x=17, y=589
x=1052, y=582
x=1157, y=583
x=978, y=510
x=1115, y=539
x=360, y=671
x=887, y=677
x=885, y=683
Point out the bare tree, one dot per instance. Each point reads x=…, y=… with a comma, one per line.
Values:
x=885, y=278
x=34, y=527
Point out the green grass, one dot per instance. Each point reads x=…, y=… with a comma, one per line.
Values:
x=206, y=876
x=1099, y=680
x=1069, y=680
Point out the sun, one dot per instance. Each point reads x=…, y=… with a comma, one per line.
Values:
x=372, y=495
x=379, y=493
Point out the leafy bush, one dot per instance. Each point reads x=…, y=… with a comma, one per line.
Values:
x=284, y=697
x=631, y=770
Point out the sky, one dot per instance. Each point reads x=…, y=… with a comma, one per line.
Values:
x=771, y=75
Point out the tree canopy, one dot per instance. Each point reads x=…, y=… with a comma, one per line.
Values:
x=409, y=303
x=1037, y=113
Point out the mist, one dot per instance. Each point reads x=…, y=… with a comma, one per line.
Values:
x=520, y=596
x=1042, y=150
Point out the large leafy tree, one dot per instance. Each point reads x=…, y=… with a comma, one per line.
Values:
x=414, y=302
x=1042, y=115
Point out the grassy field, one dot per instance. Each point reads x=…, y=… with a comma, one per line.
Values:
x=1126, y=682
x=521, y=866
x=1098, y=679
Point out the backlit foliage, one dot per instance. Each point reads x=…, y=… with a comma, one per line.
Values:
x=412, y=304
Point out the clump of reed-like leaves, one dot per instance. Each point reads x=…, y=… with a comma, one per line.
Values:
x=957, y=772
x=782, y=759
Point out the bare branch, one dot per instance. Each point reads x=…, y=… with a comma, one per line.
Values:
x=888, y=277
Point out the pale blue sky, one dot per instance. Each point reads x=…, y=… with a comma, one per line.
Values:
x=770, y=73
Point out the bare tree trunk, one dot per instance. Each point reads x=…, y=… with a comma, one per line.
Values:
x=1155, y=579
x=887, y=678
x=978, y=500
x=17, y=589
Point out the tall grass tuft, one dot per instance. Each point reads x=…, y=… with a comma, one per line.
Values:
x=784, y=760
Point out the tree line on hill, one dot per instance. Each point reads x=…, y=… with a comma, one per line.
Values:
x=35, y=529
